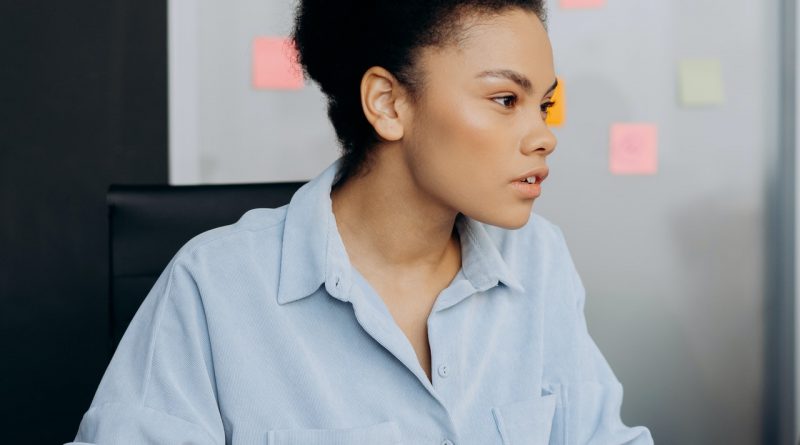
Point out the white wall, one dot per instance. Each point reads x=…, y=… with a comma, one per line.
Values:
x=673, y=264
x=221, y=129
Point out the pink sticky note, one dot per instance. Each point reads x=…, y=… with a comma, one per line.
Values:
x=275, y=64
x=634, y=149
x=582, y=4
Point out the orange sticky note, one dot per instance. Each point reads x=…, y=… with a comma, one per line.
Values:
x=275, y=64
x=634, y=149
x=582, y=4
x=557, y=113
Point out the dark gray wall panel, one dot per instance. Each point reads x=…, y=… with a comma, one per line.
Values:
x=83, y=105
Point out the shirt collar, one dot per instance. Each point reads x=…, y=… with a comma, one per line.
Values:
x=313, y=252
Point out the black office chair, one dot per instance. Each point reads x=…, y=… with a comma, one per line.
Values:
x=148, y=224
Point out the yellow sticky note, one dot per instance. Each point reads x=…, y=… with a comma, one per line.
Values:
x=582, y=4
x=275, y=64
x=634, y=149
x=557, y=113
x=700, y=82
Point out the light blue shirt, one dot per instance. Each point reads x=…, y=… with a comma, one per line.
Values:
x=262, y=332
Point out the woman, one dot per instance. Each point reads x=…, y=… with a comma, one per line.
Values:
x=407, y=294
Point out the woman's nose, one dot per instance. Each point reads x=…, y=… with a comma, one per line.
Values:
x=540, y=138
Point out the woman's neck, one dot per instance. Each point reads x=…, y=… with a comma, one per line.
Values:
x=389, y=225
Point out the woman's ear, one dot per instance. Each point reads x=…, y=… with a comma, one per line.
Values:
x=384, y=102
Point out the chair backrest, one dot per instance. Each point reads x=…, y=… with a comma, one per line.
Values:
x=148, y=224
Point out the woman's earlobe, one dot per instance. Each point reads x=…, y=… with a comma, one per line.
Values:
x=389, y=129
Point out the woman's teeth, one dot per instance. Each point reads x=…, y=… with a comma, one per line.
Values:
x=530, y=180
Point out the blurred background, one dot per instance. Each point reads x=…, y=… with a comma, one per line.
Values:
x=674, y=183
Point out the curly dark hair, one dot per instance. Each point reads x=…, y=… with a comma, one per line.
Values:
x=338, y=41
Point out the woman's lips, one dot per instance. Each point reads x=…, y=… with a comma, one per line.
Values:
x=527, y=190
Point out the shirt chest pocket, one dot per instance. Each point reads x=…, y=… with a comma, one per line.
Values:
x=526, y=422
x=384, y=433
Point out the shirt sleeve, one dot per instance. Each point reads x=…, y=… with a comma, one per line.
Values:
x=597, y=395
x=159, y=386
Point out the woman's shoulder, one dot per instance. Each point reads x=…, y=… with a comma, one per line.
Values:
x=255, y=225
x=243, y=256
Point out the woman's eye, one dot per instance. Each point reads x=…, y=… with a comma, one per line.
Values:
x=508, y=101
x=547, y=106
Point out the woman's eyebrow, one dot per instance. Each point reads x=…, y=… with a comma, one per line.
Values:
x=552, y=87
x=515, y=77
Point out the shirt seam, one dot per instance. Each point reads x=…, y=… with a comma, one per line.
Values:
x=156, y=329
x=152, y=346
x=499, y=425
x=234, y=232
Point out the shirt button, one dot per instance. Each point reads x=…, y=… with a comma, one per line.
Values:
x=444, y=371
x=447, y=442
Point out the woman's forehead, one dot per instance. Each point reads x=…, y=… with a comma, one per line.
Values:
x=515, y=40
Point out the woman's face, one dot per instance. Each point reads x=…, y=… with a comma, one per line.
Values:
x=480, y=122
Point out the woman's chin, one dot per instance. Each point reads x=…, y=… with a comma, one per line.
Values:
x=510, y=220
